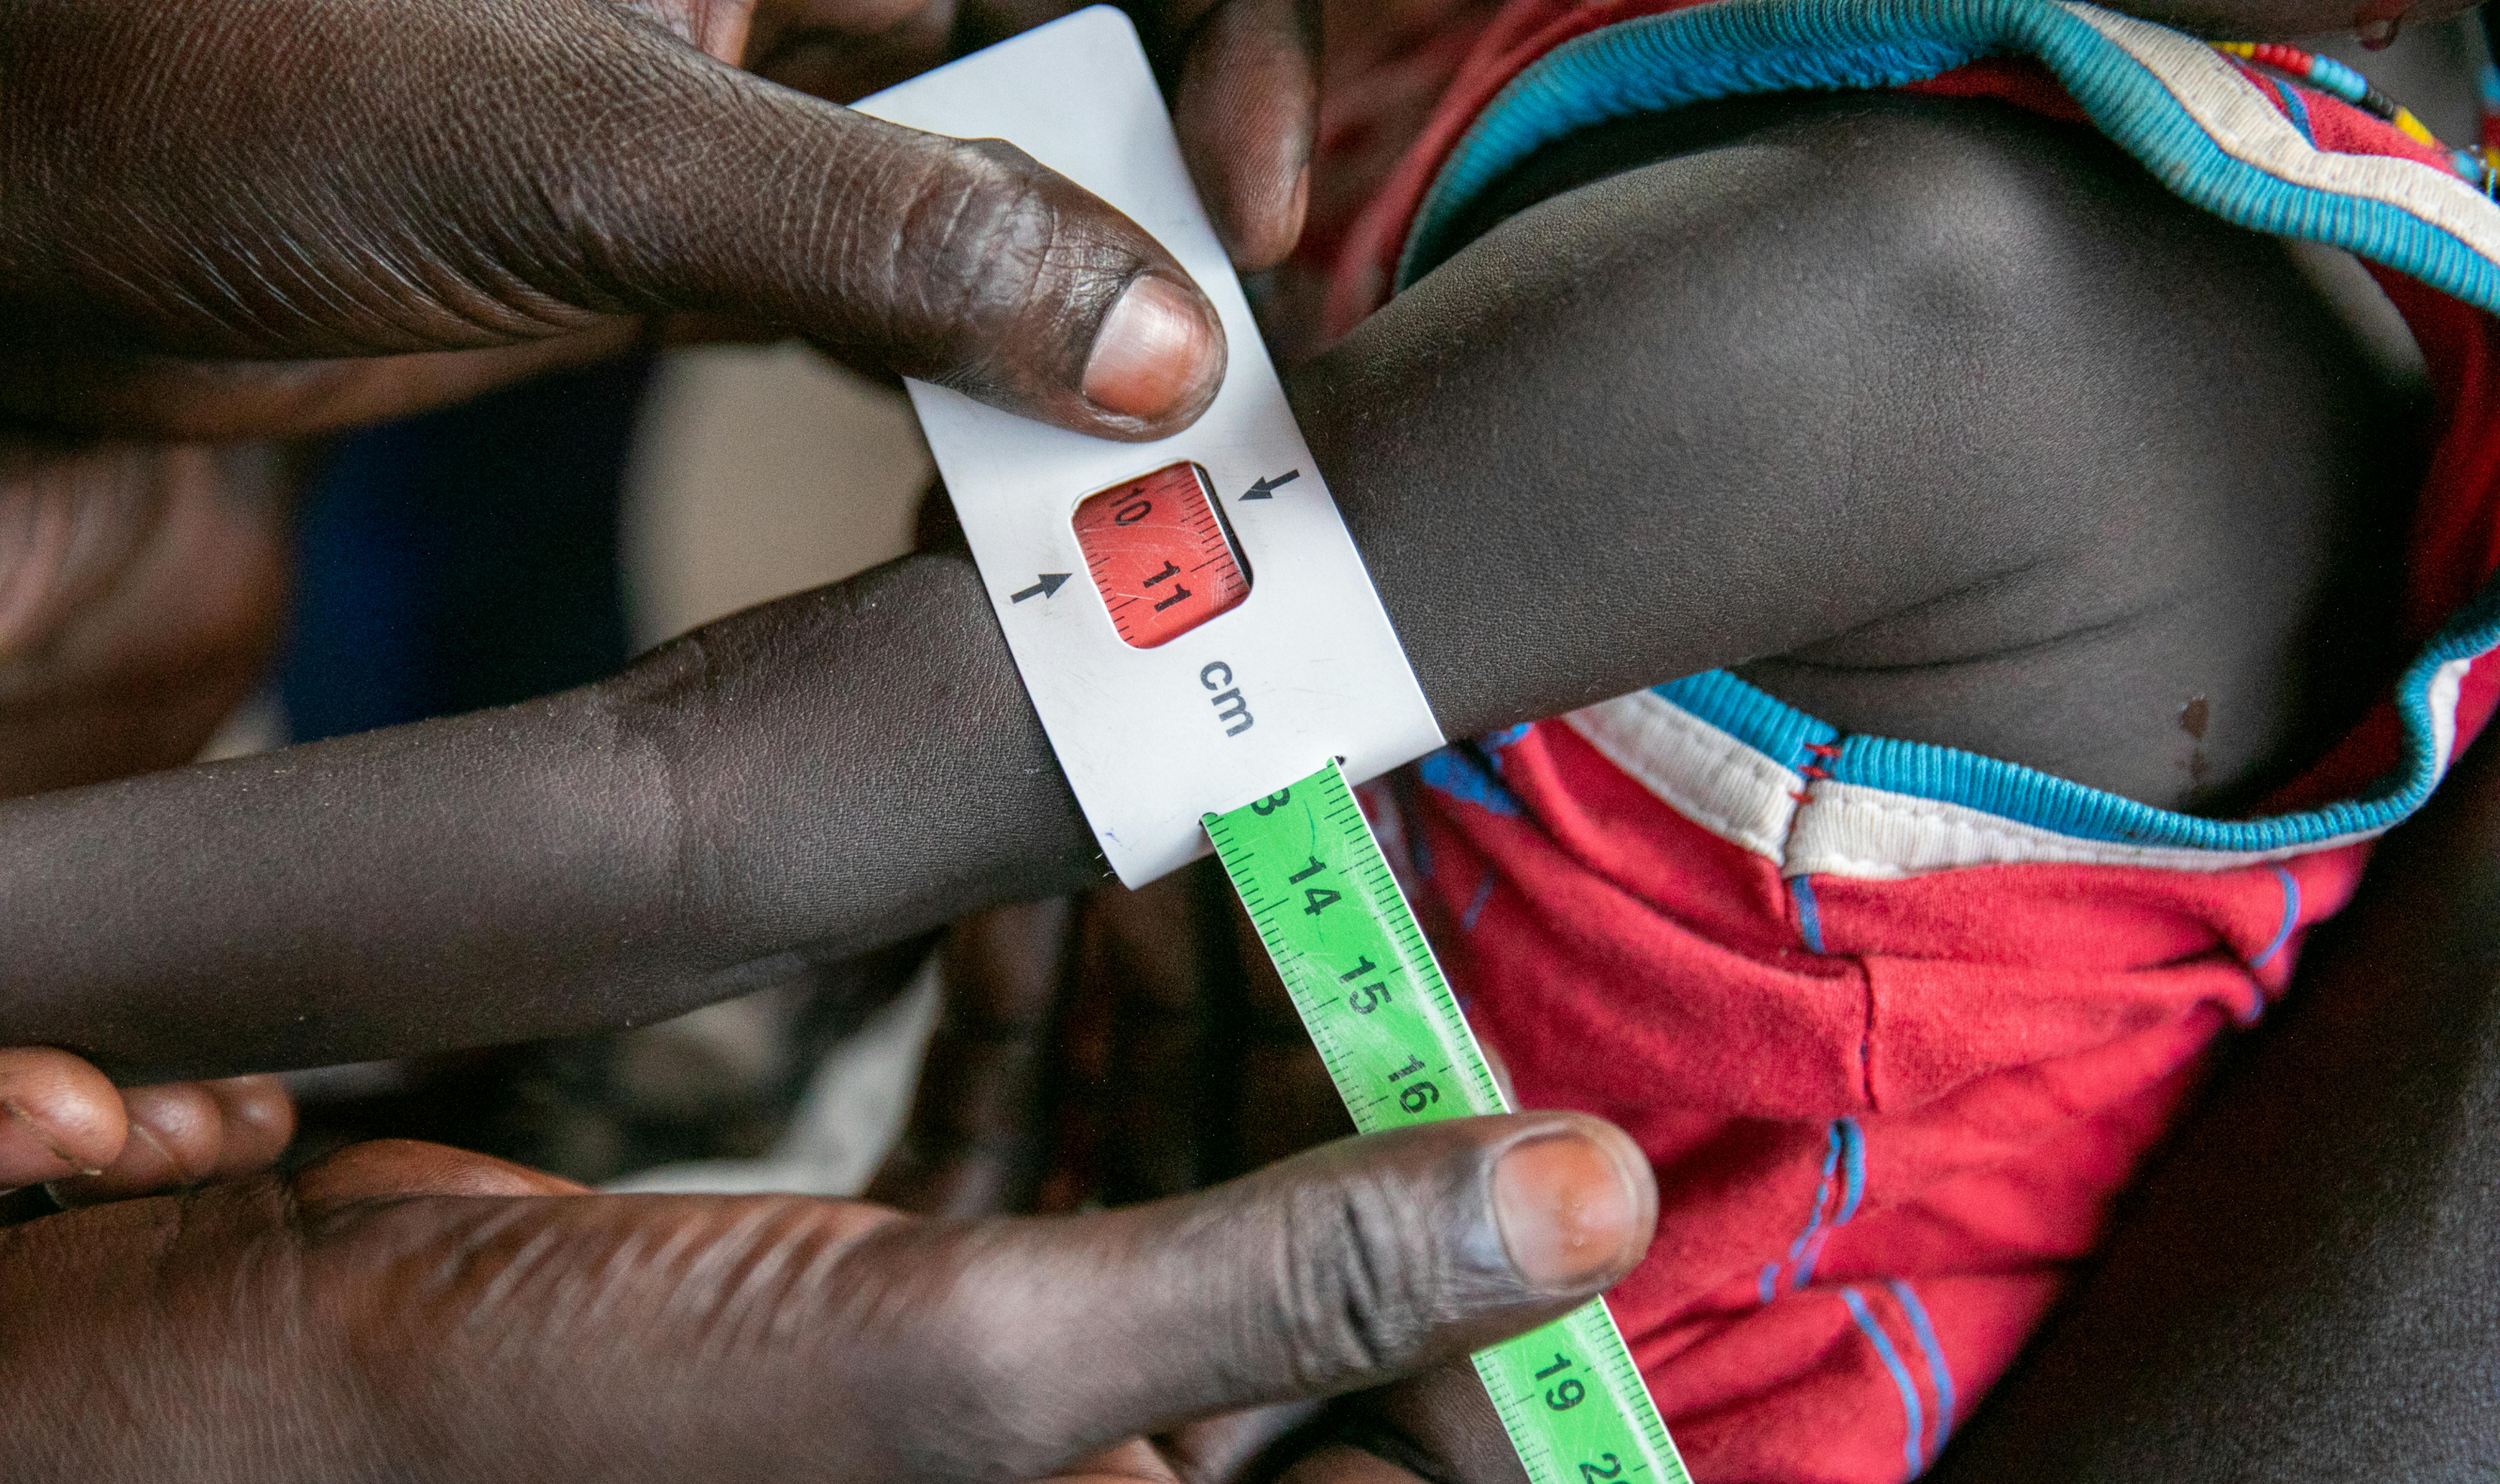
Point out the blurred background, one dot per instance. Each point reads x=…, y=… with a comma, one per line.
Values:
x=534, y=540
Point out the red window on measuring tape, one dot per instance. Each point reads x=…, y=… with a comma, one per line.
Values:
x=1160, y=555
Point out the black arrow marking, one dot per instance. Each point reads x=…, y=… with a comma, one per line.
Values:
x=1047, y=586
x=1265, y=489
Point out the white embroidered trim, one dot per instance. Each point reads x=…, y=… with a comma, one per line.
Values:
x=2251, y=129
x=1850, y=829
x=2445, y=686
x=1740, y=795
x=1706, y=775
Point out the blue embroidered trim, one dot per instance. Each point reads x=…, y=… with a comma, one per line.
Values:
x=1809, y=915
x=2032, y=797
x=1933, y=1350
x=1913, y=1446
x=1761, y=722
x=2291, y=918
x=2029, y=796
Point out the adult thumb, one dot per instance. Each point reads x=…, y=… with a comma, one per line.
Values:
x=329, y=178
x=963, y=262
x=1348, y=1267
x=693, y=1338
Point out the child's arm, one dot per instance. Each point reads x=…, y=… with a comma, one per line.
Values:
x=1955, y=386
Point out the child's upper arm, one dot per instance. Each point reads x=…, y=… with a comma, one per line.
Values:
x=1899, y=383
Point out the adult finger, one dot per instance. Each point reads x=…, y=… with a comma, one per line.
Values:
x=58, y=1117
x=1247, y=111
x=1158, y=958
x=1353, y=1264
x=1441, y=1423
x=180, y=400
x=188, y=1134
x=1346, y=1464
x=385, y=1168
x=175, y=1131
x=641, y=1334
x=973, y=1146
x=1235, y=1444
x=1439, y=1426
x=432, y=177
x=256, y=1122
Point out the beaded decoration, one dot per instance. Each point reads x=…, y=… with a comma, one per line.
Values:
x=2481, y=166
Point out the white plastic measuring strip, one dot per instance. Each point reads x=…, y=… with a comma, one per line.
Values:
x=1153, y=739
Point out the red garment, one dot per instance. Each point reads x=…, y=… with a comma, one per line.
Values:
x=1892, y=1048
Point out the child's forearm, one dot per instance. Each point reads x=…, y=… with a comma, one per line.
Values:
x=843, y=768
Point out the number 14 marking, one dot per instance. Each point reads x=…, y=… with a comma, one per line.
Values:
x=1315, y=899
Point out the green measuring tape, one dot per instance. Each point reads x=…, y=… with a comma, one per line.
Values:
x=1372, y=996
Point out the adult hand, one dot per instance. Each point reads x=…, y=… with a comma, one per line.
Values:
x=1122, y=1046
x=1244, y=81
x=217, y=207
x=1246, y=98
x=1242, y=74
x=410, y=1312
x=63, y=1123
x=1128, y=1044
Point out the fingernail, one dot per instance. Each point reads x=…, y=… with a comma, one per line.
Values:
x=2379, y=21
x=1571, y=1214
x=1157, y=352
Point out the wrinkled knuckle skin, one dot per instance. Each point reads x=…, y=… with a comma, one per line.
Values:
x=950, y=1337
x=1379, y=1263
x=1368, y=1280
x=1001, y=281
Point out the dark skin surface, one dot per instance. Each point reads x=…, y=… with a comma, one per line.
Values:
x=338, y=1326
x=517, y=174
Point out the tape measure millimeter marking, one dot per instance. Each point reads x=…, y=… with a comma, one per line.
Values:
x=1369, y=989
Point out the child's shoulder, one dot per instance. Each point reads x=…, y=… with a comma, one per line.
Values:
x=2036, y=455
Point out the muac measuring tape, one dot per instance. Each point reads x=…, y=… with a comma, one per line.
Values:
x=1222, y=674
